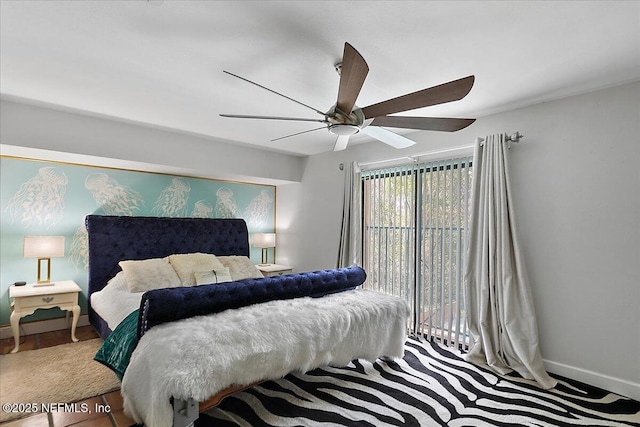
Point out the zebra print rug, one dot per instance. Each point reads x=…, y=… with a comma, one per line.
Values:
x=430, y=386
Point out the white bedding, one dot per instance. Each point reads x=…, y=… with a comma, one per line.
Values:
x=114, y=302
x=201, y=356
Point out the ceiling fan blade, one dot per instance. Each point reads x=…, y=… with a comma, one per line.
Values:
x=298, y=133
x=424, y=123
x=354, y=71
x=440, y=94
x=297, y=119
x=277, y=93
x=341, y=143
x=388, y=137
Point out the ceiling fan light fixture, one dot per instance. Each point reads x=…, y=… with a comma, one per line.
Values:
x=343, y=130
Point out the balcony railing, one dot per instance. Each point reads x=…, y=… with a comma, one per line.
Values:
x=433, y=288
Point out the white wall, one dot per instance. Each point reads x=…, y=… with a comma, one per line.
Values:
x=576, y=184
x=104, y=142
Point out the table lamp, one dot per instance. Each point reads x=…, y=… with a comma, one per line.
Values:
x=44, y=248
x=264, y=241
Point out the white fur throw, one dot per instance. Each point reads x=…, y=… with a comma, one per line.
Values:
x=201, y=356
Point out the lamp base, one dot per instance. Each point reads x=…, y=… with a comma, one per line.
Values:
x=37, y=285
x=47, y=279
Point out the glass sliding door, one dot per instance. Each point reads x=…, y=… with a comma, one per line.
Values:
x=415, y=220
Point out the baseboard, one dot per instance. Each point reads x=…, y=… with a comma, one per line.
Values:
x=40, y=326
x=615, y=385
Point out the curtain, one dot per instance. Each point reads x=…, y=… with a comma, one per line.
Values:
x=350, y=247
x=501, y=316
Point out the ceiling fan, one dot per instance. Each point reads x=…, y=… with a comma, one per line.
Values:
x=345, y=118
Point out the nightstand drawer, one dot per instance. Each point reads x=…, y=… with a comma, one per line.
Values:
x=270, y=270
x=50, y=300
x=276, y=273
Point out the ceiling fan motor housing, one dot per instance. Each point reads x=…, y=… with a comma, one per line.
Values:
x=337, y=117
x=341, y=123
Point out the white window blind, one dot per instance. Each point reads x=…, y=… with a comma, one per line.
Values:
x=415, y=219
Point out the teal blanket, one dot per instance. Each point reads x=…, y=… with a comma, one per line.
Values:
x=117, y=348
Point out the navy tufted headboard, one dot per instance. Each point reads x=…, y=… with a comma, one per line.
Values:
x=116, y=238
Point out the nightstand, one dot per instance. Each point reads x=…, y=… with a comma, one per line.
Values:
x=269, y=270
x=29, y=298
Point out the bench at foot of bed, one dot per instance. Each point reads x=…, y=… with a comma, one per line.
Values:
x=186, y=412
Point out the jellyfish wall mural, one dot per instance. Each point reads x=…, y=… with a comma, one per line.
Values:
x=202, y=209
x=40, y=200
x=53, y=198
x=112, y=197
x=79, y=250
x=225, y=204
x=257, y=213
x=172, y=201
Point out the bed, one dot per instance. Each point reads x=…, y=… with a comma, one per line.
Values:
x=196, y=344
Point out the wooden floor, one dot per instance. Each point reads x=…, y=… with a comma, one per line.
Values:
x=116, y=418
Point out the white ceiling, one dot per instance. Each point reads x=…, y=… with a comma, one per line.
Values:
x=160, y=63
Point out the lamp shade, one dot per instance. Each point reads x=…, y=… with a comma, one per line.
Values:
x=264, y=240
x=43, y=246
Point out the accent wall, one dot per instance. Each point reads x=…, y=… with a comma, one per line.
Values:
x=50, y=198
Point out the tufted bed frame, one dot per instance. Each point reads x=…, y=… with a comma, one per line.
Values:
x=114, y=238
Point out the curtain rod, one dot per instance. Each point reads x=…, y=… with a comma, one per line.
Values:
x=514, y=137
x=415, y=157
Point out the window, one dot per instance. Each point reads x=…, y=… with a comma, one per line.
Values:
x=414, y=223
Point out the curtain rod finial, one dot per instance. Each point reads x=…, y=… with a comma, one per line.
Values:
x=514, y=137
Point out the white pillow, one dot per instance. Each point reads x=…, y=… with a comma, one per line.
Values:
x=187, y=264
x=117, y=282
x=240, y=267
x=144, y=275
x=212, y=276
x=114, y=302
